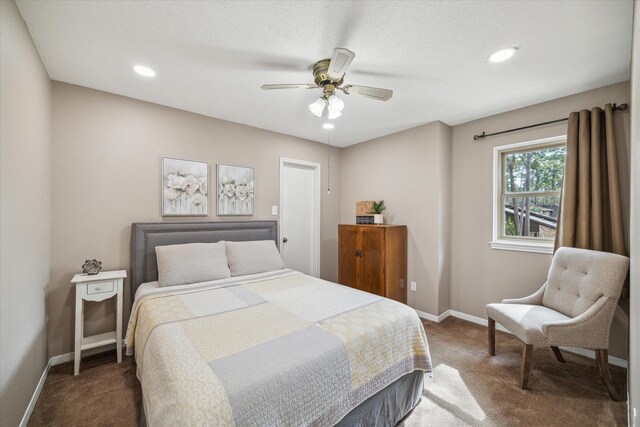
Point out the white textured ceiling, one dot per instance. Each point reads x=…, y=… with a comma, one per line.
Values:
x=212, y=57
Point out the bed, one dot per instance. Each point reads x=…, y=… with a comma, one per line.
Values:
x=271, y=348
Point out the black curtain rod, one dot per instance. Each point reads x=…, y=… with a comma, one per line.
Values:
x=621, y=107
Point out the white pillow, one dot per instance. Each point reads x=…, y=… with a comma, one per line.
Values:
x=191, y=263
x=253, y=257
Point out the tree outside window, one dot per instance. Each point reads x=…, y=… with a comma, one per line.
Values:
x=530, y=191
x=527, y=178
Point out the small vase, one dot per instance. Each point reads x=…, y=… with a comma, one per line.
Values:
x=378, y=219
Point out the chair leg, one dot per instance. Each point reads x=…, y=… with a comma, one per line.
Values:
x=492, y=337
x=602, y=358
x=556, y=352
x=599, y=365
x=525, y=367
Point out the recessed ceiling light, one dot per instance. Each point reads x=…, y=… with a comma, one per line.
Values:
x=503, y=54
x=144, y=71
x=328, y=125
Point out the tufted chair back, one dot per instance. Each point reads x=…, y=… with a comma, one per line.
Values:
x=580, y=277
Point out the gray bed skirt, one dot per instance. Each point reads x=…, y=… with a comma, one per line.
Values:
x=385, y=408
x=388, y=406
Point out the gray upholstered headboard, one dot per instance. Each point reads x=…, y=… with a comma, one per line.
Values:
x=146, y=236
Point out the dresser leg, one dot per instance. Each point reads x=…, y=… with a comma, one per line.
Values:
x=79, y=333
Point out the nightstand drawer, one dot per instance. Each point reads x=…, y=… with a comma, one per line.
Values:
x=100, y=287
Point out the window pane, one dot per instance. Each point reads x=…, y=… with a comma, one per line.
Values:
x=536, y=170
x=531, y=217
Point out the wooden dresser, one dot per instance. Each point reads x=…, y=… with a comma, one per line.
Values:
x=373, y=258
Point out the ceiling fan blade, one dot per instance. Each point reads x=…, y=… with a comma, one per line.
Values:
x=340, y=61
x=289, y=86
x=370, y=92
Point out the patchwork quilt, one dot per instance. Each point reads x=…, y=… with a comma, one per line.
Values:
x=278, y=348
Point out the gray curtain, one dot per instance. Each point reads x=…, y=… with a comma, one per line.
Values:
x=590, y=214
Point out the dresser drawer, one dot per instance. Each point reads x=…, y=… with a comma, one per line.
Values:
x=100, y=287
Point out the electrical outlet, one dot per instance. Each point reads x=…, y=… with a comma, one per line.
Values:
x=274, y=210
x=413, y=286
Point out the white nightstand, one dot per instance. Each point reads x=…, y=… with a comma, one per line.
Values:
x=98, y=287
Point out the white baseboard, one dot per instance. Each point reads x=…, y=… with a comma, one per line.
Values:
x=431, y=317
x=616, y=361
x=36, y=394
x=62, y=358
x=68, y=357
x=57, y=360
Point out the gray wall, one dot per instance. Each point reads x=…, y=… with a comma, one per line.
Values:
x=106, y=160
x=479, y=274
x=25, y=213
x=409, y=170
x=634, y=345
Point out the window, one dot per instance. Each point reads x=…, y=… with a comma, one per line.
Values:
x=527, y=181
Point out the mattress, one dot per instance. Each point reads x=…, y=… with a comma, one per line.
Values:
x=277, y=348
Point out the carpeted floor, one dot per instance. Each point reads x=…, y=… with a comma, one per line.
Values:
x=468, y=387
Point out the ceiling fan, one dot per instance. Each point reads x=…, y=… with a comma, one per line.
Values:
x=329, y=75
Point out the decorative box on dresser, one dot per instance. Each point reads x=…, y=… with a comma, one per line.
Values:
x=97, y=287
x=373, y=258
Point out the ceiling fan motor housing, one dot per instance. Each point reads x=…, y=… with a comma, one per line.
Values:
x=321, y=75
x=329, y=75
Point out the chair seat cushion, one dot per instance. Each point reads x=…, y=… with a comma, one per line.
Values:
x=525, y=321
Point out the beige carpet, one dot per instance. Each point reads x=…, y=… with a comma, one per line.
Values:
x=471, y=388
x=468, y=387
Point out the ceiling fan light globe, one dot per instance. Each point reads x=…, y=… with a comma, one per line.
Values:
x=335, y=104
x=333, y=114
x=317, y=107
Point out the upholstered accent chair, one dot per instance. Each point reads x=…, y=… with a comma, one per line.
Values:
x=574, y=308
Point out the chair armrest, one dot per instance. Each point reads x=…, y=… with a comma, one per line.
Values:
x=590, y=329
x=533, y=299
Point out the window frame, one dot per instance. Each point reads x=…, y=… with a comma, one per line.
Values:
x=517, y=243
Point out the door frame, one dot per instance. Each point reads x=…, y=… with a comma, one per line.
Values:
x=316, y=167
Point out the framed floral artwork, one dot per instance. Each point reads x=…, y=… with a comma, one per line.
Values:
x=235, y=190
x=185, y=185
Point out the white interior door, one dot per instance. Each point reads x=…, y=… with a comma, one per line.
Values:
x=300, y=215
